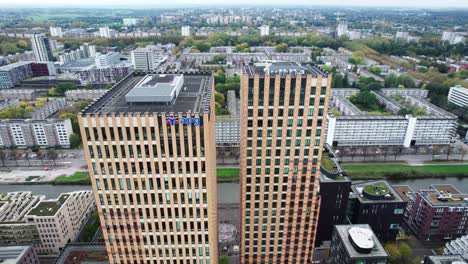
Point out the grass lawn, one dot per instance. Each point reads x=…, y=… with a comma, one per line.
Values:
x=79, y=177
x=405, y=171
x=228, y=174
x=82, y=177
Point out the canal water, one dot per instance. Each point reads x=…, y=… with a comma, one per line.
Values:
x=227, y=192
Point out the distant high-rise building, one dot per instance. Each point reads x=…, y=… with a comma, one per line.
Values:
x=453, y=37
x=130, y=21
x=56, y=32
x=150, y=147
x=108, y=59
x=342, y=27
x=148, y=58
x=105, y=32
x=88, y=51
x=41, y=47
x=186, y=31
x=264, y=30
x=282, y=136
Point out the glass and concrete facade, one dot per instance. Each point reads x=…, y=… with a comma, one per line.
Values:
x=458, y=95
x=282, y=125
x=41, y=47
x=148, y=58
x=152, y=165
x=59, y=221
x=18, y=255
x=25, y=133
x=356, y=244
x=14, y=230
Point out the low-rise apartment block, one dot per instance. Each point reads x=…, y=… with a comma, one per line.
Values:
x=84, y=94
x=356, y=244
x=20, y=94
x=49, y=108
x=436, y=214
x=25, y=133
x=444, y=259
x=227, y=130
x=59, y=221
x=18, y=255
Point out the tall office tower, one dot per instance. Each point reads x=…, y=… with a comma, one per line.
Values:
x=150, y=147
x=282, y=135
x=186, y=31
x=56, y=32
x=341, y=27
x=41, y=47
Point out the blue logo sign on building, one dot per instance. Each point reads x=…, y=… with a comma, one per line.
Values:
x=187, y=121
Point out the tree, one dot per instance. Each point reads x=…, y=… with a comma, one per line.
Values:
x=443, y=68
x=62, y=87
x=52, y=91
x=14, y=155
x=356, y=60
x=219, y=98
x=223, y=260
x=405, y=251
x=26, y=156
x=3, y=156
x=75, y=141
x=282, y=47
x=393, y=251
x=52, y=154
x=364, y=98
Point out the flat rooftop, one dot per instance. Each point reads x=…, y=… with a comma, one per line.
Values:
x=83, y=253
x=277, y=67
x=404, y=191
x=194, y=96
x=11, y=66
x=378, y=191
x=446, y=259
x=377, y=251
x=11, y=254
x=444, y=195
x=49, y=207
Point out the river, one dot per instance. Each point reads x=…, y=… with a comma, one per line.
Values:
x=227, y=192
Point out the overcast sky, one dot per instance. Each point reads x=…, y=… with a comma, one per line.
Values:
x=181, y=3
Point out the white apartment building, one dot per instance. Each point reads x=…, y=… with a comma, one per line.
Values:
x=453, y=37
x=28, y=133
x=342, y=27
x=59, y=221
x=84, y=94
x=357, y=128
x=148, y=58
x=264, y=30
x=458, y=95
x=130, y=21
x=56, y=32
x=105, y=32
x=105, y=60
x=41, y=48
x=186, y=31
x=227, y=130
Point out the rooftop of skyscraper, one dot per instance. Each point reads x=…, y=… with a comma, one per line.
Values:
x=282, y=68
x=141, y=92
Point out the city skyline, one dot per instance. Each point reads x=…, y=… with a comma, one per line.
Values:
x=262, y=3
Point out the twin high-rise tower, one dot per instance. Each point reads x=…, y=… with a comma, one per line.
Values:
x=150, y=146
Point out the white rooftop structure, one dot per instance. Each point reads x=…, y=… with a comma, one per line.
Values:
x=361, y=237
x=159, y=88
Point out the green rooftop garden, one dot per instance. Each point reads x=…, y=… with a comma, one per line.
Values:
x=379, y=188
x=329, y=165
x=49, y=208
